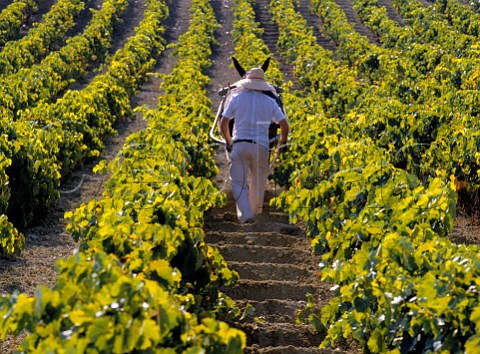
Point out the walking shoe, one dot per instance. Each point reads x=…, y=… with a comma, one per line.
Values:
x=250, y=221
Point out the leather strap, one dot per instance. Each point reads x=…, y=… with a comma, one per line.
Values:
x=245, y=141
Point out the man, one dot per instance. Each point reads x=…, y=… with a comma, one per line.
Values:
x=253, y=112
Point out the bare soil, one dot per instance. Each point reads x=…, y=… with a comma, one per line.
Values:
x=272, y=256
x=5, y=4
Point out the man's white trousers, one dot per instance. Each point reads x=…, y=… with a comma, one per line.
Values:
x=248, y=173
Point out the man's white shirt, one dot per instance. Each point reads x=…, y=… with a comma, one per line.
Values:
x=253, y=112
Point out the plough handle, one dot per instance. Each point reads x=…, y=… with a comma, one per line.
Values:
x=220, y=139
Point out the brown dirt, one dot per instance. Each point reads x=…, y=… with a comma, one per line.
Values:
x=43, y=7
x=354, y=19
x=392, y=12
x=5, y=4
x=272, y=256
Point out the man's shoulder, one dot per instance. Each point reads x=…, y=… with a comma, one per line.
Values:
x=241, y=93
x=235, y=92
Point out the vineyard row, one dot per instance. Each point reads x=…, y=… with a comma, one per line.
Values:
x=143, y=278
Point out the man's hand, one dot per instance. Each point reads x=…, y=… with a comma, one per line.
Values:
x=282, y=146
x=282, y=143
x=224, y=128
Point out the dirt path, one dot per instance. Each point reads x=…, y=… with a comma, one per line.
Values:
x=43, y=7
x=277, y=269
x=129, y=20
x=354, y=19
x=4, y=4
x=272, y=257
x=392, y=12
x=303, y=6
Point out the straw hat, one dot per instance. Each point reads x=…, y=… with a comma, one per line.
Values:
x=255, y=80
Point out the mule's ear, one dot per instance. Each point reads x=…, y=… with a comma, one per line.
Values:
x=241, y=71
x=265, y=64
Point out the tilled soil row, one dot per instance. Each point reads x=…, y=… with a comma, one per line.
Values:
x=272, y=257
x=316, y=23
x=354, y=19
x=270, y=38
x=277, y=269
x=392, y=12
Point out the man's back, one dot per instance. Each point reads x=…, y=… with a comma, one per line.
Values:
x=253, y=112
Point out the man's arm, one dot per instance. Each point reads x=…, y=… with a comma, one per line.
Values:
x=224, y=128
x=284, y=129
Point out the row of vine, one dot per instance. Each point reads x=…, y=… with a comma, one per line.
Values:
x=144, y=278
x=381, y=230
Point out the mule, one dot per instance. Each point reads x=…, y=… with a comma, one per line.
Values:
x=227, y=92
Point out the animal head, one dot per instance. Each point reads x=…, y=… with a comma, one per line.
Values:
x=242, y=72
